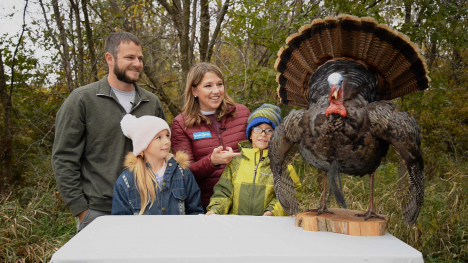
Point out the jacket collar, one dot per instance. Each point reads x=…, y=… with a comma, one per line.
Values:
x=171, y=164
x=245, y=148
x=104, y=89
x=230, y=109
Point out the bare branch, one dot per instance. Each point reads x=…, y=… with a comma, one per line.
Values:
x=49, y=29
x=17, y=47
x=217, y=29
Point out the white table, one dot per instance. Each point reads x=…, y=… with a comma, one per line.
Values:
x=218, y=238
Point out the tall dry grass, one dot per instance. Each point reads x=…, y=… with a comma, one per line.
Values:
x=34, y=223
x=441, y=231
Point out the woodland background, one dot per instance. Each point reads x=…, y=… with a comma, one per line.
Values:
x=242, y=38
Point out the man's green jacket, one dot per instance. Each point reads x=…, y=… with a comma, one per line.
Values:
x=89, y=146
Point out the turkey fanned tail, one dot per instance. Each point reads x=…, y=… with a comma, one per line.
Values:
x=402, y=131
x=284, y=150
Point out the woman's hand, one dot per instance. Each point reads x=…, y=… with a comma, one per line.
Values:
x=222, y=157
x=267, y=213
x=210, y=213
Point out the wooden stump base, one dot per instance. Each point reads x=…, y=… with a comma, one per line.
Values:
x=342, y=222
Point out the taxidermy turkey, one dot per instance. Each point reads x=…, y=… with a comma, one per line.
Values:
x=346, y=70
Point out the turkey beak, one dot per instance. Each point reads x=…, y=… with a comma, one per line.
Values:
x=335, y=92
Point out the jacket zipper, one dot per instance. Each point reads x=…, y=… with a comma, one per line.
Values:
x=253, y=183
x=135, y=106
x=214, y=131
x=220, y=141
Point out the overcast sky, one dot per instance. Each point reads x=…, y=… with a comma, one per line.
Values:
x=12, y=25
x=11, y=21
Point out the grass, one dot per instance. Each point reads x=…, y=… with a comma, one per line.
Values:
x=441, y=231
x=34, y=222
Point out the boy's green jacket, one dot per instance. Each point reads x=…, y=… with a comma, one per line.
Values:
x=246, y=185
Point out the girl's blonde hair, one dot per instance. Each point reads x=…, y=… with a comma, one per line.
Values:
x=191, y=110
x=144, y=179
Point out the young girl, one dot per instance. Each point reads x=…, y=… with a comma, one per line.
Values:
x=155, y=182
x=246, y=185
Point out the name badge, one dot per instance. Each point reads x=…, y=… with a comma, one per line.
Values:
x=201, y=135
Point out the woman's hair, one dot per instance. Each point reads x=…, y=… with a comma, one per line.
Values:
x=144, y=179
x=191, y=110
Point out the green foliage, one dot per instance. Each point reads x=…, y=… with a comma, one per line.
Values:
x=34, y=106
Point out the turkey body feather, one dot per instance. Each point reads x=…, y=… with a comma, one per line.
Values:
x=349, y=124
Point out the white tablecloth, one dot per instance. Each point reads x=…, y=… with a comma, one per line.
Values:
x=223, y=239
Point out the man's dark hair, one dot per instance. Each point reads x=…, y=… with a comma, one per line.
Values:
x=114, y=40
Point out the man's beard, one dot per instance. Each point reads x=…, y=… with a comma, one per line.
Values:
x=120, y=74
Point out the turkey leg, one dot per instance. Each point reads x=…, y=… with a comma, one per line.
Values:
x=370, y=213
x=323, y=206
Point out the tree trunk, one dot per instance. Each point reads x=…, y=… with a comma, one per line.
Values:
x=185, y=42
x=431, y=56
x=64, y=44
x=151, y=73
x=71, y=35
x=49, y=29
x=117, y=12
x=456, y=66
x=407, y=11
x=219, y=21
x=80, y=59
x=6, y=153
x=193, y=30
x=204, y=29
x=180, y=17
x=89, y=38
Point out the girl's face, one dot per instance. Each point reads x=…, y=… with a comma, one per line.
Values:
x=159, y=146
x=210, y=92
x=261, y=140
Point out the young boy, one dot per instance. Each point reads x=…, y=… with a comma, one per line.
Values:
x=246, y=185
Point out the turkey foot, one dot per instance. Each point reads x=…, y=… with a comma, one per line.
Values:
x=323, y=205
x=369, y=214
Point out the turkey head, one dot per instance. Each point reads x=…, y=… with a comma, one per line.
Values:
x=335, y=81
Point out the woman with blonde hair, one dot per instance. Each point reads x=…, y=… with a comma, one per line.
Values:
x=210, y=126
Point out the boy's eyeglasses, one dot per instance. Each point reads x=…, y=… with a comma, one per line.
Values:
x=260, y=130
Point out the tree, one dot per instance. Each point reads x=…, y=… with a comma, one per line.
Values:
x=6, y=143
x=6, y=155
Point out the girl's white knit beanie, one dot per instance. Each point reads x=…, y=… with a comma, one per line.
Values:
x=142, y=130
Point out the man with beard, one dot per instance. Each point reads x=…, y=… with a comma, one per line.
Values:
x=89, y=148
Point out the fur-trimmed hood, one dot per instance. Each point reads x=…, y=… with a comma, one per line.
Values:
x=180, y=157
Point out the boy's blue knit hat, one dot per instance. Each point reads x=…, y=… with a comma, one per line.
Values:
x=267, y=113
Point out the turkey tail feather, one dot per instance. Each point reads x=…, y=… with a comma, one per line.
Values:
x=387, y=53
x=333, y=177
x=415, y=195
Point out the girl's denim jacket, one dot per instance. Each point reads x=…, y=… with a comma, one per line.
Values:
x=179, y=194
